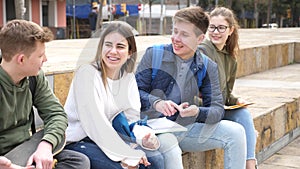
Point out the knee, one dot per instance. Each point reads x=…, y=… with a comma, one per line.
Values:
x=238, y=133
x=85, y=162
x=167, y=142
x=244, y=116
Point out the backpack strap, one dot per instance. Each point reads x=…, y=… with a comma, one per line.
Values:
x=201, y=75
x=157, y=55
x=32, y=86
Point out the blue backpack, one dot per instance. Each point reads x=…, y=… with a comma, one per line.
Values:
x=158, y=51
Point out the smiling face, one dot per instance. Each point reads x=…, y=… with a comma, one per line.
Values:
x=115, y=53
x=184, y=39
x=219, y=38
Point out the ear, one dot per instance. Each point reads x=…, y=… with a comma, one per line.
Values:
x=231, y=30
x=200, y=38
x=20, y=58
x=129, y=54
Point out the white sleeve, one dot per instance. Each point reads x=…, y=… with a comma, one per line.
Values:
x=140, y=132
x=90, y=107
x=132, y=110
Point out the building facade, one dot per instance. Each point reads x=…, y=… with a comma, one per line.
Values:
x=48, y=13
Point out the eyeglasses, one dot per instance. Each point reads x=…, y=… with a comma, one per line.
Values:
x=220, y=28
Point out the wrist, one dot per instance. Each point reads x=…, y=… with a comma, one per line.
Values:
x=198, y=111
x=155, y=103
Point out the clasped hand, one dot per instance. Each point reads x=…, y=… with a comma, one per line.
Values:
x=169, y=108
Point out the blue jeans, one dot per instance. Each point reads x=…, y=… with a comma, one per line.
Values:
x=227, y=135
x=99, y=160
x=243, y=117
x=170, y=150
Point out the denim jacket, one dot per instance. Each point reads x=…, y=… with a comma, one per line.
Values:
x=210, y=110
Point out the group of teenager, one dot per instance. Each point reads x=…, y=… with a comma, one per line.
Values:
x=104, y=117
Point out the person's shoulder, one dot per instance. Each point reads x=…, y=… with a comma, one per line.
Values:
x=207, y=45
x=86, y=71
x=128, y=76
x=87, y=67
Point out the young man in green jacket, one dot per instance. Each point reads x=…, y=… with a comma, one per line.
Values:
x=22, y=45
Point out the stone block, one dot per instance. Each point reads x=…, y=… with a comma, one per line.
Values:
x=284, y=54
x=291, y=53
x=279, y=122
x=265, y=126
x=272, y=56
x=193, y=160
x=296, y=52
x=62, y=84
x=246, y=62
x=214, y=159
x=264, y=58
x=292, y=116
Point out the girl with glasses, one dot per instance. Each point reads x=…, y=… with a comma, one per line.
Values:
x=222, y=47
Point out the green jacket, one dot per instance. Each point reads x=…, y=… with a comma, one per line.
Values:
x=227, y=67
x=15, y=107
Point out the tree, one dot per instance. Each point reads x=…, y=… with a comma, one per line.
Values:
x=20, y=9
x=99, y=17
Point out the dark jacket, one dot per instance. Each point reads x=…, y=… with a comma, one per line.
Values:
x=211, y=111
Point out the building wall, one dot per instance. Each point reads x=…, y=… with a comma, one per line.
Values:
x=36, y=8
x=61, y=14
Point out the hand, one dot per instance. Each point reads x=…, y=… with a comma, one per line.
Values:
x=143, y=161
x=189, y=111
x=42, y=157
x=150, y=141
x=241, y=101
x=6, y=164
x=166, y=107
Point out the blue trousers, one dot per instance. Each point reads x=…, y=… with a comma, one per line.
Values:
x=99, y=160
x=243, y=117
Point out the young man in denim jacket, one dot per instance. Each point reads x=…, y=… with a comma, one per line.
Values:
x=175, y=91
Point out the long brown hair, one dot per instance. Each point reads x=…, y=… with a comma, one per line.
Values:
x=232, y=46
x=125, y=31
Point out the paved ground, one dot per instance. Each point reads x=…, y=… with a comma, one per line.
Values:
x=76, y=51
x=286, y=158
x=268, y=90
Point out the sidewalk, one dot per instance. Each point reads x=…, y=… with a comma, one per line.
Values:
x=276, y=94
x=287, y=158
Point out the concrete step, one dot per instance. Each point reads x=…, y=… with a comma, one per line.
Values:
x=276, y=113
x=286, y=158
